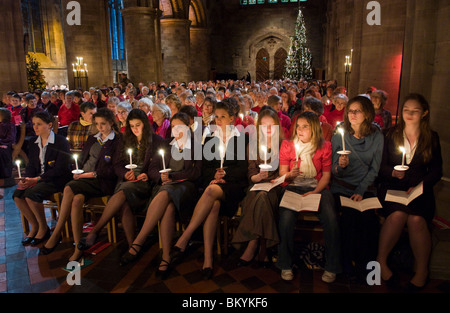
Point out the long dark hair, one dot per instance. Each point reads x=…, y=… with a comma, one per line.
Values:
x=130, y=140
x=268, y=111
x=424, y=144
x=367, y=127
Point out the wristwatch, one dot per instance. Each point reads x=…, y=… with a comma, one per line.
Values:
x=94, y=174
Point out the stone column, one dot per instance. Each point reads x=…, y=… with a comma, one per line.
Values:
x=175, y=42
x=143, y=53
x=200, y=53
x=12, y=59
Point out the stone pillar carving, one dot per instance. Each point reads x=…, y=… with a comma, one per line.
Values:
x=200, y=53
x=175, y=42
x=143, y=50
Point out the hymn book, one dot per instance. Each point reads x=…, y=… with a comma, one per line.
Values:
x=268, y=186
x=296, y=202
x=363, y=205
x=403, y=197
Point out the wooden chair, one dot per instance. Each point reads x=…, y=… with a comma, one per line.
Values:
x=96, y=206
x=225, y=228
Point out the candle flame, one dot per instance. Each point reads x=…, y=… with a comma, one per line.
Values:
x=402, y=149
x=161, y=152
x=263, y=148
x=341, y=130
x=130, y=151
x=75, y=156
x=18, y=162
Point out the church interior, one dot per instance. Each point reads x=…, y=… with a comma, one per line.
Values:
x=397, y=46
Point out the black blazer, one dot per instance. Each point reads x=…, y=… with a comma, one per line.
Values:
x=109, y=166
x=57, y=167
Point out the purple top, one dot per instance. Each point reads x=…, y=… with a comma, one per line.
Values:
x=7, y=134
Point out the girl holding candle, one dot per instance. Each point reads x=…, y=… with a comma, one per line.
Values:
x=336, y=112
x=354, y=176
x=175, y=196
x=102, y=166
x=223, y=190
x=131, y=195
x=308, y=171
x=258, y=224
x=423, y=156
x=48, y=170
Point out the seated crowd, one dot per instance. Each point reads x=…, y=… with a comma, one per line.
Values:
x=192, y=153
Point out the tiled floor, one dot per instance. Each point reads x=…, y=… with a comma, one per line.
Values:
x=22, y=269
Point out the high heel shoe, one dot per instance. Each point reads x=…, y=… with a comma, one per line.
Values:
x=37, y=241
x=207, y=273
x=163, y=274
x=27, y=241
x=83, y=245
x=46, y=251
x=393, y=281
x=411, y=288
x=176, y=254
x=128, y=258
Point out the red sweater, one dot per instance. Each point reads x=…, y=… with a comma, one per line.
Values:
x=67, y=116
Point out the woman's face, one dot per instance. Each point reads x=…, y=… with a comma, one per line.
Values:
x=95, y=96
x=304, y=131
x=158, y=116
x=356, y=115
x=376, y=100
x=179, y=129
x=87, y=116
x=340, y=104
x=103, y=125
x=223, y=119
x=207, y=108
x=412, y=112
x=137, y=127
x=112, y=107
x=266, y=126
x=172, y=106
x=40, y=127
x=122, y=115
x=284, y=97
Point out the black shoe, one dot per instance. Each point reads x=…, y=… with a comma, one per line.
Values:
x=393, y=281
x=128, y=258
x=163, y=274
x=207, y=273
x=37, y=241
x=45, y=251
x=27, y=241
x=242, y=263
x=177, y=255
x=411, y=288
x=83, y=245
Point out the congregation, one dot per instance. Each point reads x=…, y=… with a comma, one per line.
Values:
x=140, y=145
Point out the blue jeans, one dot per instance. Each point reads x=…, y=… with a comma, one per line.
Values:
x=328, y=218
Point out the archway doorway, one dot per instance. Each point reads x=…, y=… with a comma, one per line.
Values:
x=280, y=63
x=262, y=65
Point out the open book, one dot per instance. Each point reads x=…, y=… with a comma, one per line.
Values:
x=294, y=201
x=402, y=197
x=364, y=205
x=268, y=186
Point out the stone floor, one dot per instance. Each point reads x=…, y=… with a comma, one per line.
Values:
x=23, y=270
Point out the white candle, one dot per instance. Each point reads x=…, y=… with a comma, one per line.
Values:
x=162, y=156
x=18, y=168
x=264, y=149
x=221, y=149
x=130, y=152
x=241, y=116
x=297, y=148
x=75, y=156
x=403, y=150
x=341, y=130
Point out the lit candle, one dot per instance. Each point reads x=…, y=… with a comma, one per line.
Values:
x=241, y=116
x=73, y=67
x=85, y=67
x=341, y=130
x=18, y=168
x=221, y=149
x=297, y=148
x=403, y=150
x=162, y=156
x=130, y=152
x=264, y=149
x=75, y=156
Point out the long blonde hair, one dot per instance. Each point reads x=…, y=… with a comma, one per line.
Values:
x=317, y=139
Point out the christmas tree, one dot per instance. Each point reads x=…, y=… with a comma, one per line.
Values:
x=34, y=74
x=298, y=63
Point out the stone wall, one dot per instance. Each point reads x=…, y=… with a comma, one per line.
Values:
x=90, y=40
x=12, y=59
x=238, y=32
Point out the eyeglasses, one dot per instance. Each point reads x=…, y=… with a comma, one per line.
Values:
x=356, y=112
x=122, y=112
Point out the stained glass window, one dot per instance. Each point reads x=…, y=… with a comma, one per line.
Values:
x=116, y=30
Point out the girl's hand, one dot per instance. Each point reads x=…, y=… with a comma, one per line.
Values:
x=129, y=176
x=356, y=197
x=409, y=190
x=165, y=178
x=295, y=171
x=142, y=177
x=343, y=161
x=310, y=193
x=220, y=174
x=398, y=174
x=263, y=174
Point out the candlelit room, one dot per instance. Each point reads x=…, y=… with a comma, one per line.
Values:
x=225, y=147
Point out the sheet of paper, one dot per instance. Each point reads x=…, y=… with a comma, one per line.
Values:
x=268, y=186
x=402, y=197
x=366, y=204
x=294, y=201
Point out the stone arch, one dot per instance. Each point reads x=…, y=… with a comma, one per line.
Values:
x=197, y=14
x=166, y=7
x=270, y=39
x=279, y=63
